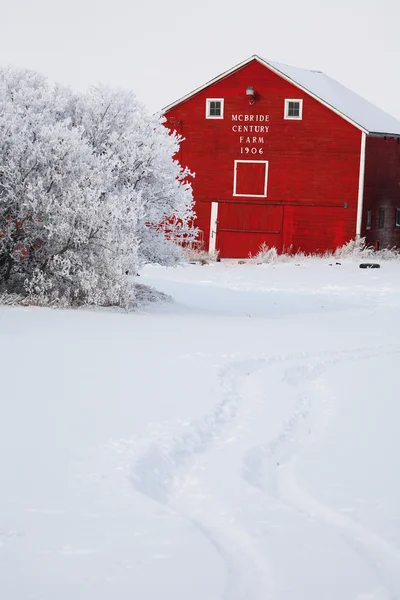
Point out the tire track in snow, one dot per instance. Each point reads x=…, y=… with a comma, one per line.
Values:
x=271, y=467
x=162, y=459
x=248, y=575
x=165, y=469
x=166, y=461
x=165, y=472
x=166, y=451
x=368, y=545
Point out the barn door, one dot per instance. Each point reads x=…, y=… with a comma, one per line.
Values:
x=244, y=226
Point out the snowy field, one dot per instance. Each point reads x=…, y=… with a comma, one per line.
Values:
x=239, y=443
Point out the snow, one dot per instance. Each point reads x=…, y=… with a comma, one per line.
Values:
x=355, y=107
x=239, y=443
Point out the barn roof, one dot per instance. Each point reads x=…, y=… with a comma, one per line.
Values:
x=361, y=113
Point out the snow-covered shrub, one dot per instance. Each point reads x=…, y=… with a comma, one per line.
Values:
x=265, y=255
x=388, y=254
x=88, y=186
x=359, y=250
x=269, y=255
x=194, y=254
x=353, y=250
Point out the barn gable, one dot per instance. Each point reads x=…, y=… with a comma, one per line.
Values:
x=362, y=114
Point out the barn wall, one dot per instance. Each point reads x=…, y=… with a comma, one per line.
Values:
x=382, y=191
x=313, y=164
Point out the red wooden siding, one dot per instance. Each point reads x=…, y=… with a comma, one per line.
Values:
x=315, y=228
x=382, y=191
x=313, y=165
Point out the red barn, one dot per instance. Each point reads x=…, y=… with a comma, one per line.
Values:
x=289, y=158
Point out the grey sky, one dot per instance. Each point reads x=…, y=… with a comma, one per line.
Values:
x=164, y=49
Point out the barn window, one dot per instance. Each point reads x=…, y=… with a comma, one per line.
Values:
x=369, y=218
x=214, y=108
x=397, y=217
x=250, y=178
x=293, y=109
x=381, y=218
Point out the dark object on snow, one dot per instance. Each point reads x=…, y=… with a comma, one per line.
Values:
x=338, y=263
x=370, y=266
x=218, y=260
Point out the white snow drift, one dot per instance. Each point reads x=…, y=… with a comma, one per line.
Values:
x=240, y=443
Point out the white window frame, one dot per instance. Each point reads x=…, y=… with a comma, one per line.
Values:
x=286, y=115
x=264, y=162
x=397, y=217
x=208, y=101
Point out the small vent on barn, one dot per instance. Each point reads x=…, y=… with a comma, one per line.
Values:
x=250, y=178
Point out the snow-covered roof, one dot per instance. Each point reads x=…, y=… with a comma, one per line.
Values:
x=348, y=104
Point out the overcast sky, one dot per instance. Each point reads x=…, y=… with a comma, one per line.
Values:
x=163, y=49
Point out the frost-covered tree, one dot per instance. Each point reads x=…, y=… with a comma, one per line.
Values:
x=88, y=185
x=119, y=128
